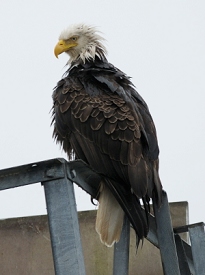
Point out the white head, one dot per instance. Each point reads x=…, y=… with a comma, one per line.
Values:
x=81, y=43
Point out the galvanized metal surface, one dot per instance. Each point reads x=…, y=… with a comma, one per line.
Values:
x=183, y=263
x=121, y=251
x=197, y=237
x=152, y=234
x=166, y=238
x=80, y=173
x=152, y=237
x=57, y=176
x=64, y=227
x=32, y=173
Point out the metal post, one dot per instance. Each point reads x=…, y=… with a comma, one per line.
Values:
x=121, y=251
x=183, y=262
x=166, y=237
x=64, y=227
x=197, y=237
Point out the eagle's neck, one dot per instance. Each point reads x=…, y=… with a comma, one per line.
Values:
x=76, y=66
x=89, y=52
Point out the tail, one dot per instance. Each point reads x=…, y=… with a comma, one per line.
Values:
x=110, y=217
x=131, y=207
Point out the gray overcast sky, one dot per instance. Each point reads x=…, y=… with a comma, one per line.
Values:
x=160, y=44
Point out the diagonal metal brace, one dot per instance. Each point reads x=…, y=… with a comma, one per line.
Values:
x=166, y=237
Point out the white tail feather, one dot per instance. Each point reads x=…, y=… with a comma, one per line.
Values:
x=110, y=217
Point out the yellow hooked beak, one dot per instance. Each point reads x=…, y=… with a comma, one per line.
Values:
x=62, y=46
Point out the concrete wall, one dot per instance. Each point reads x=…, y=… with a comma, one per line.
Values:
x=25, y=247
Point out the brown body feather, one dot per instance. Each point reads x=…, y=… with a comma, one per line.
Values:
x=98, y=114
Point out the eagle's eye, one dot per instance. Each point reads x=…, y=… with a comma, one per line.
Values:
x=74, y=38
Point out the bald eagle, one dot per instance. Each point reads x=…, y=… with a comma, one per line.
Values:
x=99, y=117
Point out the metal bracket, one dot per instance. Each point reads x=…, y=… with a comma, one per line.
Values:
x=57, y=177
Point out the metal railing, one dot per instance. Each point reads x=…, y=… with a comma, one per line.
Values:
x=57, y=177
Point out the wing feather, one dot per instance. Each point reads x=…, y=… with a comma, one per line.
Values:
x=99, y=115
